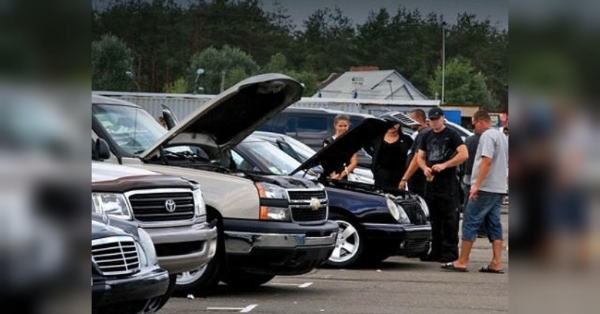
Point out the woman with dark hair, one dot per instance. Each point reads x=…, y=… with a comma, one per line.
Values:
x=389, y=157
x=341, y=124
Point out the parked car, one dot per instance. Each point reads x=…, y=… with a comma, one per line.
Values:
x=373, y=223
x=170, y=209
x=126, y=277
x=259, y=235
x=301, y=152
x=312, y=125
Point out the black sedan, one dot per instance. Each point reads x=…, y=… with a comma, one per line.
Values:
x=126, y=277
x=374, y=224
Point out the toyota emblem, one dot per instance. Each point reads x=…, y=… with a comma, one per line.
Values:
x=315, y=203
x=170, y=205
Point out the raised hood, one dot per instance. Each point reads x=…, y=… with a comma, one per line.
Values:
x=335, y=154
x=231, y=116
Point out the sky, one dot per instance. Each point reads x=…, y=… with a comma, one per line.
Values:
x=358, y=10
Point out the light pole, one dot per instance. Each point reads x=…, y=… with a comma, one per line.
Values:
x=132, y=77
x=443, y=59
x=199, y=72
x=389, y=81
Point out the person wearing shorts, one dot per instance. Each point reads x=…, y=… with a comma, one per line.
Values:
x=488, y=187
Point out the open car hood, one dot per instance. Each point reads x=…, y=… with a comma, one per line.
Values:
x=335, y=154
x=231, y=116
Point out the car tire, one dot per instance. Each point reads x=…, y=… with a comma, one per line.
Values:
x=245, y=280
x=349, y=243
x=205, y=279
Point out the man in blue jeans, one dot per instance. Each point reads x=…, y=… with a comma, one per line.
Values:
x=488, y=186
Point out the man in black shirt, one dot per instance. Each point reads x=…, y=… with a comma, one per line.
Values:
x=440, y=152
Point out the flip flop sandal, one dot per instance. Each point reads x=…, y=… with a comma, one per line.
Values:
x=487, y=269
x=450, y=266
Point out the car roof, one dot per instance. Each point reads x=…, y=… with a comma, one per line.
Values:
x=328, y=111
x=99, y=99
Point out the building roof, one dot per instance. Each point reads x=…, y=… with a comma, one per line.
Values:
x=383, y=84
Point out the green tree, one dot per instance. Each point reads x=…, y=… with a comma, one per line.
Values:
x=235, y=64
x=328, y=42
x=180, y=86
x=111, y=60
x=309, y=80
x=462, y=85
x=277, y=64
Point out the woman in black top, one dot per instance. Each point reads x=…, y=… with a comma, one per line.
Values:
x=389, y=157
x=341, y=124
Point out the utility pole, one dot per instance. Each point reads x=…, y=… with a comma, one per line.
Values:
x=443, y=58
x=222, y=81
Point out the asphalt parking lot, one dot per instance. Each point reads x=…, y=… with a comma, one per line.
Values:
x=398, y=285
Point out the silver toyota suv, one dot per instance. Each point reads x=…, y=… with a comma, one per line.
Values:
x=268, y=225
x=170, y=209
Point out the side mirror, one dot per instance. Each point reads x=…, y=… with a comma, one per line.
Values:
x=100, y=149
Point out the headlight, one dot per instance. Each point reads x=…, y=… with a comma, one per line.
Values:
x=199, y=206
x=397, y=211
x=424, y=206
x=272, y=193
x=111, y=204
x=271, y=190
x=148, y=247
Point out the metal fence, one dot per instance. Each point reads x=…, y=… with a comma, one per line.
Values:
x=184, y=104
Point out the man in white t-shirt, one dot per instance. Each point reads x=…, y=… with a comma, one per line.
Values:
x=488, y=186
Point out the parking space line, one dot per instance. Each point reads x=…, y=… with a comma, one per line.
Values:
x=304, y=285
x=248, y=308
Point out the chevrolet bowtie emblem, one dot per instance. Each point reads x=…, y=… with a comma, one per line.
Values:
x=315, y=203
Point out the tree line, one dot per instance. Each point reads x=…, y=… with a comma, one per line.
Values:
x=159, y=45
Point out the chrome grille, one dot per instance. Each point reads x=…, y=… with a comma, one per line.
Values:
x=115, y=255
x=150, y=205
x=300, y=205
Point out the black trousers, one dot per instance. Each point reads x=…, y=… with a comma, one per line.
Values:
x=416, y=183
x=442, y=199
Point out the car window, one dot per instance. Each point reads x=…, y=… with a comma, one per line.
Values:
x=311, y=124
x=288, y=149
x=354, y=121
x=301, y=149
x=240, y=162
x=270, y=158
x=290, y=125
x=132, y=128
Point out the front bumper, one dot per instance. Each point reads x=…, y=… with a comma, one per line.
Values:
x=396, y=239
x=278, y=248
x=150, y=282
x=184, y=248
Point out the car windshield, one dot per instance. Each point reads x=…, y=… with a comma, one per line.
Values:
x=132, y=128
x=270, y=158
x=303, y=151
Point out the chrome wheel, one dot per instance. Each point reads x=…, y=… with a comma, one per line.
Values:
x=347, y=244
x=189, y=277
